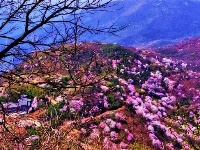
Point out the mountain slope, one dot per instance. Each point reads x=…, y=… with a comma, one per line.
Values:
x=112, y=98
x=150, y=22
x=187, y=50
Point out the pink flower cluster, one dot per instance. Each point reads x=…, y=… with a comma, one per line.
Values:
x=76, y=105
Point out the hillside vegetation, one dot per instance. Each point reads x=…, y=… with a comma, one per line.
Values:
x=107, y=97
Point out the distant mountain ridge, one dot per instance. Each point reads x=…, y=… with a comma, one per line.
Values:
x=151, y=23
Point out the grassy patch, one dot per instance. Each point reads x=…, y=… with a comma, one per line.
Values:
x=139, y=146
x=30, y=90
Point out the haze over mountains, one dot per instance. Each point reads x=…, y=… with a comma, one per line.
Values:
x=151, y=23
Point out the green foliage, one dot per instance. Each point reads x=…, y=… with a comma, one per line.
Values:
x=96, y=121
x=112, y=116
x=32, y=131
x=33, y=91
x=35, y=145
x=52, y=91
x=55, y=122
x=131, y=108
x=114, y=104
x=56, y=116
x=30, y=90
x=65, y=80
x=54, y=110
x=103, y=71
x=2, y=99
x=144, y=76
x=112, y=82
x=115, y=51
x=162, y=69
x=184, y=102
x=139, y=146
x=118, y=89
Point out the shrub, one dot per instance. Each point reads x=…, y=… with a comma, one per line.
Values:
x=2, y=99
x=114, y=103
x=65, y=80
x=30, y=90
x=53, y=114
x=33, y=91
x=32, y=131
x=112, y=82
x=54, y=110
x=56, y=116
x=115, y=51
